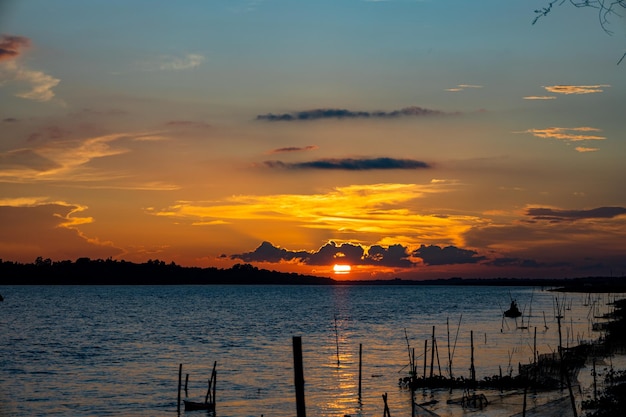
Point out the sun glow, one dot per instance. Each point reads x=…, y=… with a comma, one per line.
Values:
x=342, y=269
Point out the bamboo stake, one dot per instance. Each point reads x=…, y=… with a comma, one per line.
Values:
x=386, y=412
x=337, y=339
x=472, y=369
x=180, y=376
x=360, y=366
x=425, y=356
x=432, y=353
x=449, y=356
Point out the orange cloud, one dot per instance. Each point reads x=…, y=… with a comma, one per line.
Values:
x=369, y=211
x=576, y=89
x=539, y=98
x=565, y=133
x=585, y=149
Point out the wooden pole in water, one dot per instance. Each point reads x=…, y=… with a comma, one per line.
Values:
x=337, y=339
x=425, y=356
x=360, y=366
x=298, y=376
x=386, y=412
x=595, y=386
x=449, y=355
x=180, y=376
x=432, y=353
x=535, y=370
x=186, y=383
x=472, y=369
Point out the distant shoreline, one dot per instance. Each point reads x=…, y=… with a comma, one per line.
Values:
x=85, y=271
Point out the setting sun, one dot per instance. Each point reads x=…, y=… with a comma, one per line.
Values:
x=341, y=269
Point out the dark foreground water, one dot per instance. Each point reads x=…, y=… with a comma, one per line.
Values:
x=109, y=350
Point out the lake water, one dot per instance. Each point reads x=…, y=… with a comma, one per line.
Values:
x=115, y=351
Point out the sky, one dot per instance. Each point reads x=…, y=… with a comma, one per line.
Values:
x=402, y=138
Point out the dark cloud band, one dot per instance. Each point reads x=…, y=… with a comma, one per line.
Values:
x=319, y=114
x=555, y=215
x=350, y=164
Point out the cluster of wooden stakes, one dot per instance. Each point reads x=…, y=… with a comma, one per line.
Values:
x=469, y=399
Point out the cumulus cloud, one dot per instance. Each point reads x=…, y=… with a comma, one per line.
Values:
x=294, y=149
x=557, y=215
x=330, y=253
x=395, y=255
x=576, y=89
x=319, y=114
x=40, y=84
x=449, y=255
x=350, y=164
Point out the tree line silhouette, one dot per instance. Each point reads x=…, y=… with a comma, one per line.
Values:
x=86, y=271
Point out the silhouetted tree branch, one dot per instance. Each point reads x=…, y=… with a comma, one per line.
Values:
x=605, y=9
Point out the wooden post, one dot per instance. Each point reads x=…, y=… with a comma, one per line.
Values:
x=595, y=386
x=337, y=339
x=432, y=353
x=425, y=356
x=186, y=383
x=535, y=370
x=472, y=369
x=298, y=376
x=449, y=355
x=360, y=366
x=180, y=376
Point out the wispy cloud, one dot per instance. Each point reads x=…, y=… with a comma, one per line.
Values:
x=576, y=89
x=187, y=124
x=571, y=134
x=40, y=84
x=319, y=114
x=30, y=223
x=540, y=98
x=294, y=149
x=584, y=149
x=461, y=87
x=366, y=210
x=172, y=63
x=349, y=164
x=62, y=159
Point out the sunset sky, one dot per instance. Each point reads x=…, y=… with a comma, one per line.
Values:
x=406, y=138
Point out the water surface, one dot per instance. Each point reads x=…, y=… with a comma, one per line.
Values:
x=113, y=350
